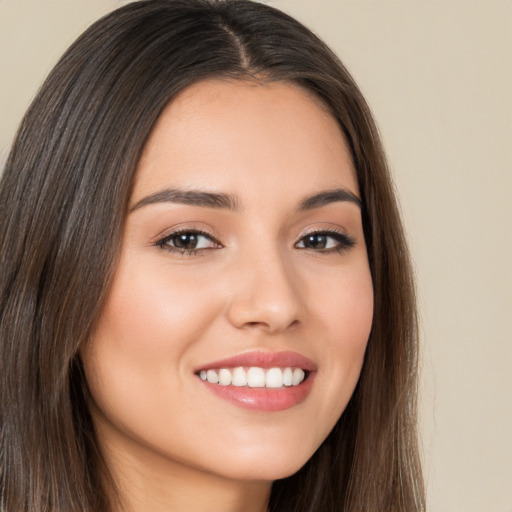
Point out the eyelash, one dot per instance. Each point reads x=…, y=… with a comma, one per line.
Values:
x=165, y=245
x=344, y=242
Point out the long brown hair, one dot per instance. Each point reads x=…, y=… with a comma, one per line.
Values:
x=63, y=200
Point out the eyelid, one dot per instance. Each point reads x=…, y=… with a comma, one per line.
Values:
x=187, y=231
x=323, y=229
x=162, y=240
x=198, y=228
x=344, y=240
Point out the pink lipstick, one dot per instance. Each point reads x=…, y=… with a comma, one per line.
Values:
x=261, y=381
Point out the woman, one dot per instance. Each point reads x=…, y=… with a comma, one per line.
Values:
x=206, y=299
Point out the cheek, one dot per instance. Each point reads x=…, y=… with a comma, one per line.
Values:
x=343, y=307
x=345, y=314
x=151, y=312
x=144, y=331
x=352, y=315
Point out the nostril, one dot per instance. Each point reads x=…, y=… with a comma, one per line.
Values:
x=268, y=325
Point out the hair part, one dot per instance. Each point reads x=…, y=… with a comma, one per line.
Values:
x=63, y=202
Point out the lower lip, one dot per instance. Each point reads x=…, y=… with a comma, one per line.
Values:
x=264, y=399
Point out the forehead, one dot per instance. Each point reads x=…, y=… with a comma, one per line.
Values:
x=245, y=135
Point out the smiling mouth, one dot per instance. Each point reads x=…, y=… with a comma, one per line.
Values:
x=255, y=377
x=260, y=381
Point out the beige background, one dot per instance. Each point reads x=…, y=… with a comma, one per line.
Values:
x=438, y=76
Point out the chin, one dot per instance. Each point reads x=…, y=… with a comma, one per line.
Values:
x=272, y=467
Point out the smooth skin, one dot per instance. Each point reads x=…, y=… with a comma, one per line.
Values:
x=261, y=274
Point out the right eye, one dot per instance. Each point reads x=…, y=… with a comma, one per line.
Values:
x=187, y=242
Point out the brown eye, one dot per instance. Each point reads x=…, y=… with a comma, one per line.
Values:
x=315, y=241
x=187, y=242
x=326, y=242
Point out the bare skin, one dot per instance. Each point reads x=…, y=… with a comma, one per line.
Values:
x=277, y=265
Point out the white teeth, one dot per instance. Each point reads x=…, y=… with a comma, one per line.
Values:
x=212, y=376
x=288, y=377
x=298, y=376
x=254, y=377
x=239, y=377
x=274, y=378
x=224, y=377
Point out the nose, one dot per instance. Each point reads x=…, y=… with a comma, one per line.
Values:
x=267, y=294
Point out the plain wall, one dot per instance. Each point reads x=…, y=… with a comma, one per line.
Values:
x=438, y=77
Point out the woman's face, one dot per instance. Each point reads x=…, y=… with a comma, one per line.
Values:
x=243, y=260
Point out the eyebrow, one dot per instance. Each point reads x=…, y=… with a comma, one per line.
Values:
x=327, y=197
x=230, y=202
x=190, y=197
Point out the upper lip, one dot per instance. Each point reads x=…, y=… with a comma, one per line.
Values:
x=263, y=360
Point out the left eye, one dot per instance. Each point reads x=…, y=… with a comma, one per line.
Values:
x=325, y=242
x=185, y=241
